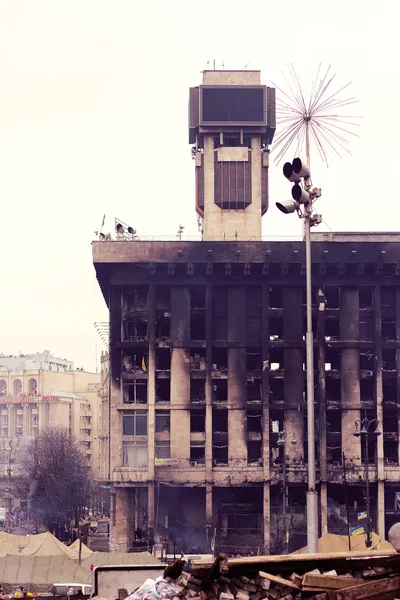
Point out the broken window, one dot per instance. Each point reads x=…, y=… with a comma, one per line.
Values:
x=135, y=330
x=220, y=314
x=276, y=392
x=332, y=358
x=198, y=421
x=197, y=390
x=333, y=390
x=220, y=360
x=389, y=359
x=163, y=359
x=197, y=359
x=332, y=328
x=197, y=299
x=334, y=436
x=162, y=449
x=17, y=387
x=365, y=297
x=254, y=314
x=388, y=329
x=254, y=421
x=163, y=297
x=367, y=360
x=366, y=328
x=220, y=453
x=366, y=390
x=163, y=421
x=136, y=362
x=136, y=300
x=163, y=390
x=220, y=420
x=275, y=297
x=390, y=452
x=388, y=297
x=197, y=453
x=332, y=296
x=134, y=453
x=254, y=360
x=275, y=328
x=254, y=390
x=197, y=327
x=163, y=327
x=254, y=452
x=275, y=359
x=32, y=387
x=389, y=389
x=220, y=390
x=135, y=392
x=134, y=422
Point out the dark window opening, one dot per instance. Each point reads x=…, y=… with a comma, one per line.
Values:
x=367, y=361
x=254, y=452
x=162, y=449
x=275, y=299
x=388, y=330
x=220, y=454
x=366, y=390
x=134, y=422
x=220, y=390
x=135, y=393
x=332, y=329
x=333, y=421
x=163, y=328
x=254, y=303
x=254, y=391
x=135, y=331
x=332, y=296
x=163, y=421
x=391, y=452
x=197, y=453
x=220, y=303
x=220, y=359
x=275, y=359
x=275, y=326
x=366, y=298
x=197, y=421
x=333, y=390
x=276, y=393
x=332, y=358
x=163, y=359
x=254, y=360
x=220, y=329
x=163, y=297
x=136, y=299
x=254, y=422
x=388, y=296
x=135, y=363
x=389, y=359
x=390, y=420
x=197, y=327
x=334, y=450
x=197, y=390
x=163, y=390
x=197, y=298
x=389, y=389
x=197, y=359
x=334, y=436
x=220, y=421
x=366, y=330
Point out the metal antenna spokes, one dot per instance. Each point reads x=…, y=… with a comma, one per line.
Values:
x=316, y=118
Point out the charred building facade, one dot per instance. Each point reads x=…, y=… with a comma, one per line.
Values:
x=207, y=441
x=208, y=369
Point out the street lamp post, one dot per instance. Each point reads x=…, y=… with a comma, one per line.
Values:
x=363, y=430
x=282, y=444
x=304, y=197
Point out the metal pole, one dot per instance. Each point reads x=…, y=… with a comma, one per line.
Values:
x=284, y=545
x=312, y=498
x=346, y=499
x=368, y=541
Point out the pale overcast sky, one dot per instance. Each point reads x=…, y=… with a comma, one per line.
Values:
x=93, y=120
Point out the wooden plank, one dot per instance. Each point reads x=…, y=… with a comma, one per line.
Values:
x=280, y=580
x=371, y=589
x=333, y=582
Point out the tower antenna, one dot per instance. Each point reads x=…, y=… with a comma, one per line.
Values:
x=315, y=118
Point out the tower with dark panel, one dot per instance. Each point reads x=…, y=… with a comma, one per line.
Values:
x=231, y=126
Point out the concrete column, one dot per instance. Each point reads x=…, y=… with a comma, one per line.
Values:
x=151, y=510
x=209, y=504
x=266, y=517
x=350, y=372
x=115, y=379
x=237, y=364
x=122, y=520
x=379, y=414
x=209, y=429
x=151, y=382
x=321, y=395
x=180, y=373
x=293, y=372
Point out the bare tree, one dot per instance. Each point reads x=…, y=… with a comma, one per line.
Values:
x=60, y=480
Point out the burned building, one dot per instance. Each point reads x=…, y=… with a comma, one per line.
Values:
x=208, y=438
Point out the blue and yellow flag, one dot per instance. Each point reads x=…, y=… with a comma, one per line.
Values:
x=362, y=515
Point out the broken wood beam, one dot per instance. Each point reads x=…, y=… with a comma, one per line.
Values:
x=370, y=589
x=334, y=582
x=279, y=580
